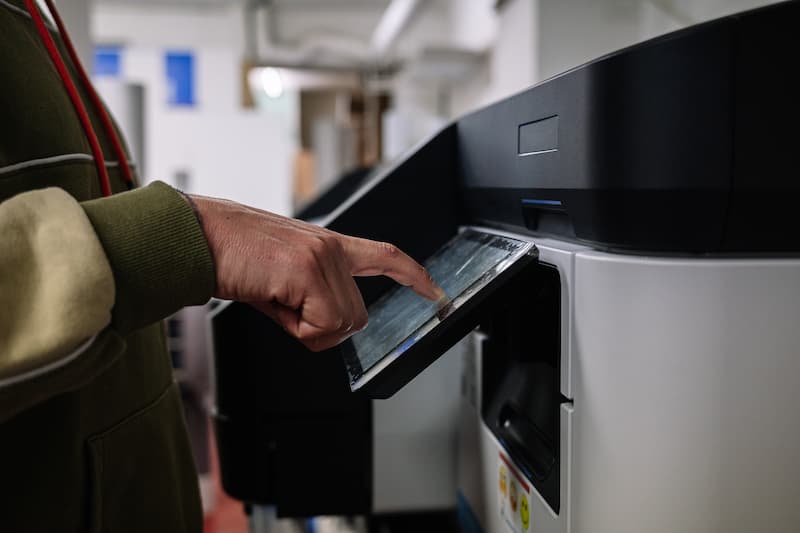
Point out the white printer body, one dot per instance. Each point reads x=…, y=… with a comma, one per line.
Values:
x=682, y=376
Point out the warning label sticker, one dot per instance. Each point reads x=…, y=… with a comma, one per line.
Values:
x=514, y=493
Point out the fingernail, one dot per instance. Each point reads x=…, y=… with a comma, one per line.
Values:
x=443, y=307
x=439, y=292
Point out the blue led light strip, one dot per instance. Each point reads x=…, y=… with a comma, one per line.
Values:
x=532, y=201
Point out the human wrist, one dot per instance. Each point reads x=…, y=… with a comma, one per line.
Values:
x=191, y=201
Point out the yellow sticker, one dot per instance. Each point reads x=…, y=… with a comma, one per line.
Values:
x=503, y=480
x=524, y=512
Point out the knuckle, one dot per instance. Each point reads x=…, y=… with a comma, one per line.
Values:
x=317, y=245
x=312, y=342
x=305, y=337
x=338, y=323
x=389, y=250
x=332, y=241
x=330, y=323
x=327, y=243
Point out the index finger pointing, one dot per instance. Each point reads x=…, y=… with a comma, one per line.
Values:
x=373, y=258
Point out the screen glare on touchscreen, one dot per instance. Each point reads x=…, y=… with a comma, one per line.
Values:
x=395, y=317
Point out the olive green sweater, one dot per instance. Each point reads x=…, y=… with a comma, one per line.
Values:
x=92, y=436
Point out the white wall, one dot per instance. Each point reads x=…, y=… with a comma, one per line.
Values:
x=474, y=23
x=151, y=24
x=507, y=38
x=536, y=39
x=418, y=108
x=76, y=14
x=240, y=154
x=573, y=32
x=512, y=61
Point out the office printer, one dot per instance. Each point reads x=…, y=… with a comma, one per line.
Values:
x=641, y=375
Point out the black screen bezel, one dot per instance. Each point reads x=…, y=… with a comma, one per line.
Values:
x=444, y=334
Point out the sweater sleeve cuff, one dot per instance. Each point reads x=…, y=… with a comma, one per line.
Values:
x=158, y=253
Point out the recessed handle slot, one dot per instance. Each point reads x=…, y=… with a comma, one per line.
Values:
x=525, y=443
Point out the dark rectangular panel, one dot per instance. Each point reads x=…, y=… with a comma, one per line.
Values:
x=537, y=137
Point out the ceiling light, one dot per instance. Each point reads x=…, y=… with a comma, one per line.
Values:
x=268, y=80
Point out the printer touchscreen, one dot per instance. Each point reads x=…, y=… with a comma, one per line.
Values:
x=400, y=318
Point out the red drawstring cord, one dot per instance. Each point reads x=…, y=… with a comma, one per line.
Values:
x=77, y=103
x=47, y=39
x=108, y=126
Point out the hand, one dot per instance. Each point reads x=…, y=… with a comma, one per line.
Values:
x=298, y=274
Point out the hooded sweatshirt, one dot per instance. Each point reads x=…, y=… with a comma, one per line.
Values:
x=92, y=435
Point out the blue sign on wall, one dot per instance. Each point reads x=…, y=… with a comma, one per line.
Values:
x=180, y=78
x=107, y=61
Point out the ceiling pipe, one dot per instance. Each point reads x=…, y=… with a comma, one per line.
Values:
x=326, y=49
x=251, y=31
x=394, y=20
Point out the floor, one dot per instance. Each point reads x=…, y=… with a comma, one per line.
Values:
x=223, y=513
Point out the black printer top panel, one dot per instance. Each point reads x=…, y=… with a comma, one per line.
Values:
x=684, y=143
